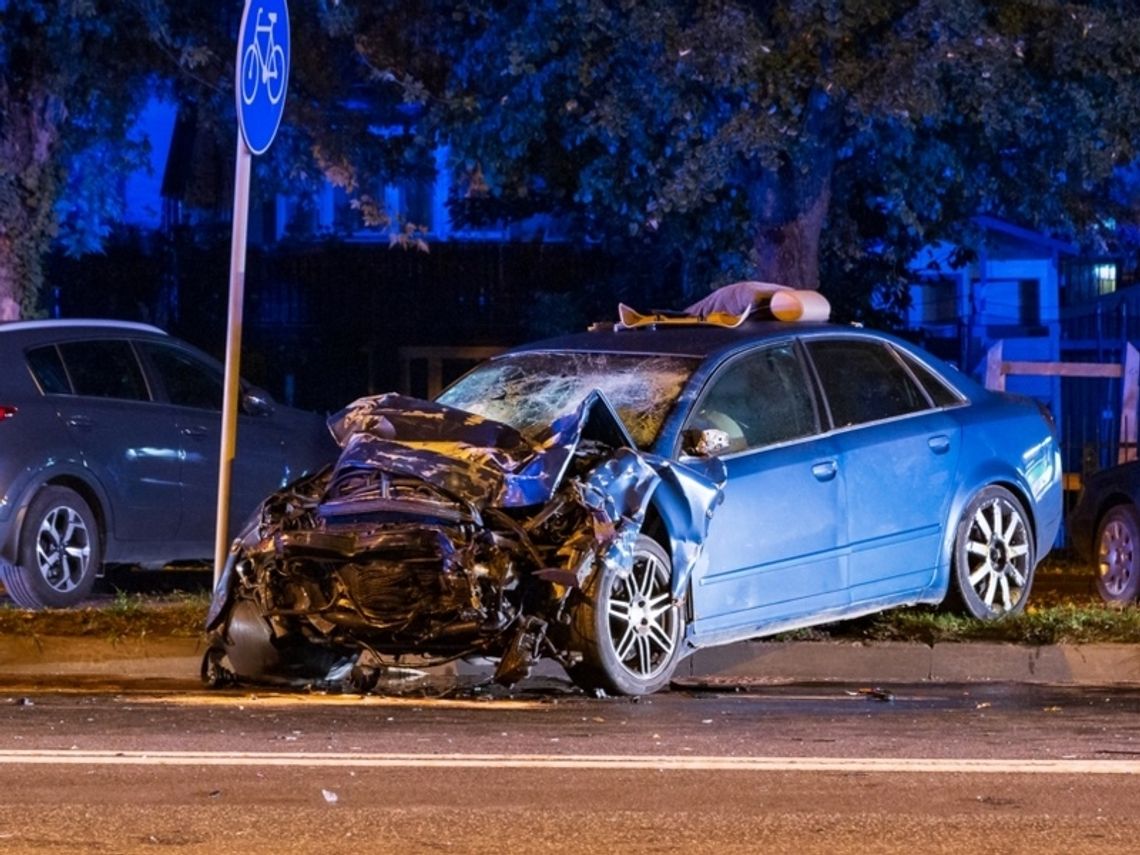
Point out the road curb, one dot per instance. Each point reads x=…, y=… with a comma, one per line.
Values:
x=751, y=662
x=908, y=662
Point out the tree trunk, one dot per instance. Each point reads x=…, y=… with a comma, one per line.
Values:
x=788, y=252
x=790, y=203
x=29, y=137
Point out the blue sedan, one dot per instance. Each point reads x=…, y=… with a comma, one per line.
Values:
x=619, y=498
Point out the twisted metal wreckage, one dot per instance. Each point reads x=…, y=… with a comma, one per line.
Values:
x=441, y=534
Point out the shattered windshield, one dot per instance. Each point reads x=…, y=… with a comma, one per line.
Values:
x=530, y=390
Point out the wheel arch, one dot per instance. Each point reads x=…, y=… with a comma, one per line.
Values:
x=1111, y=500
x=945, y=573
x=84, y=488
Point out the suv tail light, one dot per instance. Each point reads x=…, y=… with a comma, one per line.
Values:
x=6, y=412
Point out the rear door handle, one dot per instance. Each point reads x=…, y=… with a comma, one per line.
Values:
x=194, y=431
x=824, y=470
x=81, y=422
x=939, y=443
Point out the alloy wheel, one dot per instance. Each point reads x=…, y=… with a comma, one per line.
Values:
x=643, y=618
x=63, y=548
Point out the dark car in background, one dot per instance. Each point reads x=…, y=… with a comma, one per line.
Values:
x=616, y=499
x=1104, y=526
x=109, y=445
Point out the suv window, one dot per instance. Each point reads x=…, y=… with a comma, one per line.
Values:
x=863, y=381
x=104, y=368
x=759, y=399
x=189, y=381
x=47, y=369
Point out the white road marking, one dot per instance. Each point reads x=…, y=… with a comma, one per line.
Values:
x=571, y=761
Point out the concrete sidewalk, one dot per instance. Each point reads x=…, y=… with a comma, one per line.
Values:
x=753, y=662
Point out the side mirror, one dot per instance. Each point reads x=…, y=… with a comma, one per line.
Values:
x=707, y=442
x=256, y=402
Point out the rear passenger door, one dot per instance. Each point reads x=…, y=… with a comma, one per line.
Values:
x=101, y=394
x=898, y=454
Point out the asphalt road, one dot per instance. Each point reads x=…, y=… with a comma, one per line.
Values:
x=91, y=766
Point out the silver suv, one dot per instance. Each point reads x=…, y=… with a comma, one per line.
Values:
x=109, y=444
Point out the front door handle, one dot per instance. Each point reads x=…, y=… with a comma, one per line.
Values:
x=80, y=422
x=939, y=443
x=194, y=431
x=824, y=470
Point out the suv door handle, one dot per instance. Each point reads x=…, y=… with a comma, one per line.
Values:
x=194, y=431
x=824, y=470
x=80, y=422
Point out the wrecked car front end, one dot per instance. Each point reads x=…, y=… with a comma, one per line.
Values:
x=440, y=534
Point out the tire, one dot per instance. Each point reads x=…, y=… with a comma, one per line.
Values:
x=59, y=554
x=1118, y=555
x=993, y=555
x=628, y=631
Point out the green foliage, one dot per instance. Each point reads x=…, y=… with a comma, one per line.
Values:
x=762, y=139
x=797, y=140
x=69, y=83
x=1068, y=623
x=127, y=616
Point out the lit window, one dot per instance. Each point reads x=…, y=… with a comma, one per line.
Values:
x=1105, y=277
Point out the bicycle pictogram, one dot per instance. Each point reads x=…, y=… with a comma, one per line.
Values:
x=263, y=65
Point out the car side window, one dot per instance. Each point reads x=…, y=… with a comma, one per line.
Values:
x=104, y=368
x=189, y=381
x=47, y=369
x=941, y=394
x=760, y=399
x=863, y=381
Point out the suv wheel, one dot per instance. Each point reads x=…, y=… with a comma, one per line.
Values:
x=60, y=552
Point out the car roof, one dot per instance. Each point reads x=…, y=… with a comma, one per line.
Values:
x=47, y=324
x=697, y=340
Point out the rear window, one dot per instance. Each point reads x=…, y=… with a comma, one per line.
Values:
x=47, y=369
x=863, y=381
x=941, y=394
x=104, y=368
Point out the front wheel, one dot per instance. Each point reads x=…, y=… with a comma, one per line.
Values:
x=59, y=553
x=993, y=555
x=1118, y=554
x=629, y=630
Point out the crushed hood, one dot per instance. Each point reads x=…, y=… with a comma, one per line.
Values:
x=482, y=462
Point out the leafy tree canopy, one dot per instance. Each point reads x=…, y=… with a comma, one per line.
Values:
x=66, y=81
x=797, y=140
x=766, y=139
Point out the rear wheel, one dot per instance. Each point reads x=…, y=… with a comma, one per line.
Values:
x=1118, y=554
x=59, y=554
x=993, y=555
x=629, y=630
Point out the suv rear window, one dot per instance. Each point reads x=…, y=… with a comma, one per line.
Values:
x=104, y=368
x=47, y=369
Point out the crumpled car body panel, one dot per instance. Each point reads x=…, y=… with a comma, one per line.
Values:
x=438, y=533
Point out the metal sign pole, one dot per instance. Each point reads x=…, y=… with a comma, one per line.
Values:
x=261, y=78
x=232, y=396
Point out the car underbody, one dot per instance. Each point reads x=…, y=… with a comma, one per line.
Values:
x=439, y=535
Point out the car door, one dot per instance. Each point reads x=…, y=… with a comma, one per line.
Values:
x=772, y=551
x=126, y=440
x=898, y=453
x=193, y=389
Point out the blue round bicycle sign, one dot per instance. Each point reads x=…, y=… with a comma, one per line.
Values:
x=262, y=71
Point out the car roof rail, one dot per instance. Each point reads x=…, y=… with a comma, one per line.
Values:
x=64, y=323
